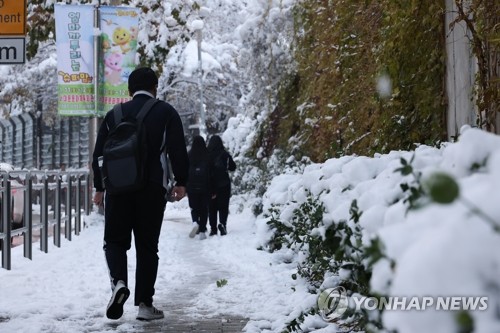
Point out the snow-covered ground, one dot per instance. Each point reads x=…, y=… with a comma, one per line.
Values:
x=438, y=250
x=68, y=288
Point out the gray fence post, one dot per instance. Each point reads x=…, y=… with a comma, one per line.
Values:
x=57, y=212
x=87, y=194
x=6, y=218
x=28, y=217
x=44, y=216
x=78, y=222
x=67, y=224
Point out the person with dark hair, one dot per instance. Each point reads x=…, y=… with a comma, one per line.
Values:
x=198, y=186
x=220, y=162
x=141, y=211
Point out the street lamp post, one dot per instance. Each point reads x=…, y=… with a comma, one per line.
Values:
x=198, y=26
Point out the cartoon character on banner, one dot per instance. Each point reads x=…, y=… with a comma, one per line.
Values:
x=106, y=43
x=116, y=46
x=113, y=68
x=122, y=38
x=134, y=32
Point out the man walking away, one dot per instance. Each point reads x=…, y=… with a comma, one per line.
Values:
x=141, y=211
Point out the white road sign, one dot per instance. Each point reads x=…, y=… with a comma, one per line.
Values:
x=12, y=50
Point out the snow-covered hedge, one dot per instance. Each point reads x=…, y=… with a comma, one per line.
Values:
x=423, y=248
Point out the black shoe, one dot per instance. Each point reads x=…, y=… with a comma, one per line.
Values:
x=115, y=306
x=222, y=229
x=213, y=233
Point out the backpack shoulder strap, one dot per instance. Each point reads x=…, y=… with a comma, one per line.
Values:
x=145, y=109
x=117, y=113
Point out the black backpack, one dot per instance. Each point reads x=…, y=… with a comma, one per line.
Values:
x=199, y=178
x=221, y=175
x=125, y=152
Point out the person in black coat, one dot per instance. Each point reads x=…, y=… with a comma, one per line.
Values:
x=140, y=212
x=198, y=186
x=220, y=163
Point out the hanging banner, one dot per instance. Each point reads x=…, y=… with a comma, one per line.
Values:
x=119, y=27
x=75, y=59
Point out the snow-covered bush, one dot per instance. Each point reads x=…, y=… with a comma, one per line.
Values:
x=444, y=241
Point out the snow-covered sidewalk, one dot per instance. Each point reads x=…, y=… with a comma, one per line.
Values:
x=67, y=289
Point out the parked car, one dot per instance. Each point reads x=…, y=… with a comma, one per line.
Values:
x=17, y=199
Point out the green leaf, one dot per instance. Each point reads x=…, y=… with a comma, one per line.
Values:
x=221, y=283
x=441, y=188
x=465, y=322
x=406, y=170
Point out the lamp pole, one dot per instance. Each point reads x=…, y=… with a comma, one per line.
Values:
x=94, y=121
x=203, y=128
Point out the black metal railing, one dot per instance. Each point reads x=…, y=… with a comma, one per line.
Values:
x=52, y=204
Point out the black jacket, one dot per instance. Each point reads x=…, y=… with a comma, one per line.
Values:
x=220, y=163
x=163, y=118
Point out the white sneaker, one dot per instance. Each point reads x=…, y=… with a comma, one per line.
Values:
x=118, y=298
x=203, y=236
x=194, y=230
x=149, y=312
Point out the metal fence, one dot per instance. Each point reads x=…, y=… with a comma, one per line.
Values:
x=52, y=204
x=26, y=142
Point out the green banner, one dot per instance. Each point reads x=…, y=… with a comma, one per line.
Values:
x=118, y=46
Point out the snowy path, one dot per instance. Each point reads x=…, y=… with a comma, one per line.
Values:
x=67, y=289
x=185, y=270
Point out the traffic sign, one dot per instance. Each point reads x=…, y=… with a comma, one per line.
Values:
x=12, y=51
x=13, y=17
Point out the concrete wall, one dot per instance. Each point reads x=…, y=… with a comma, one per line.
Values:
x=460, y=74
